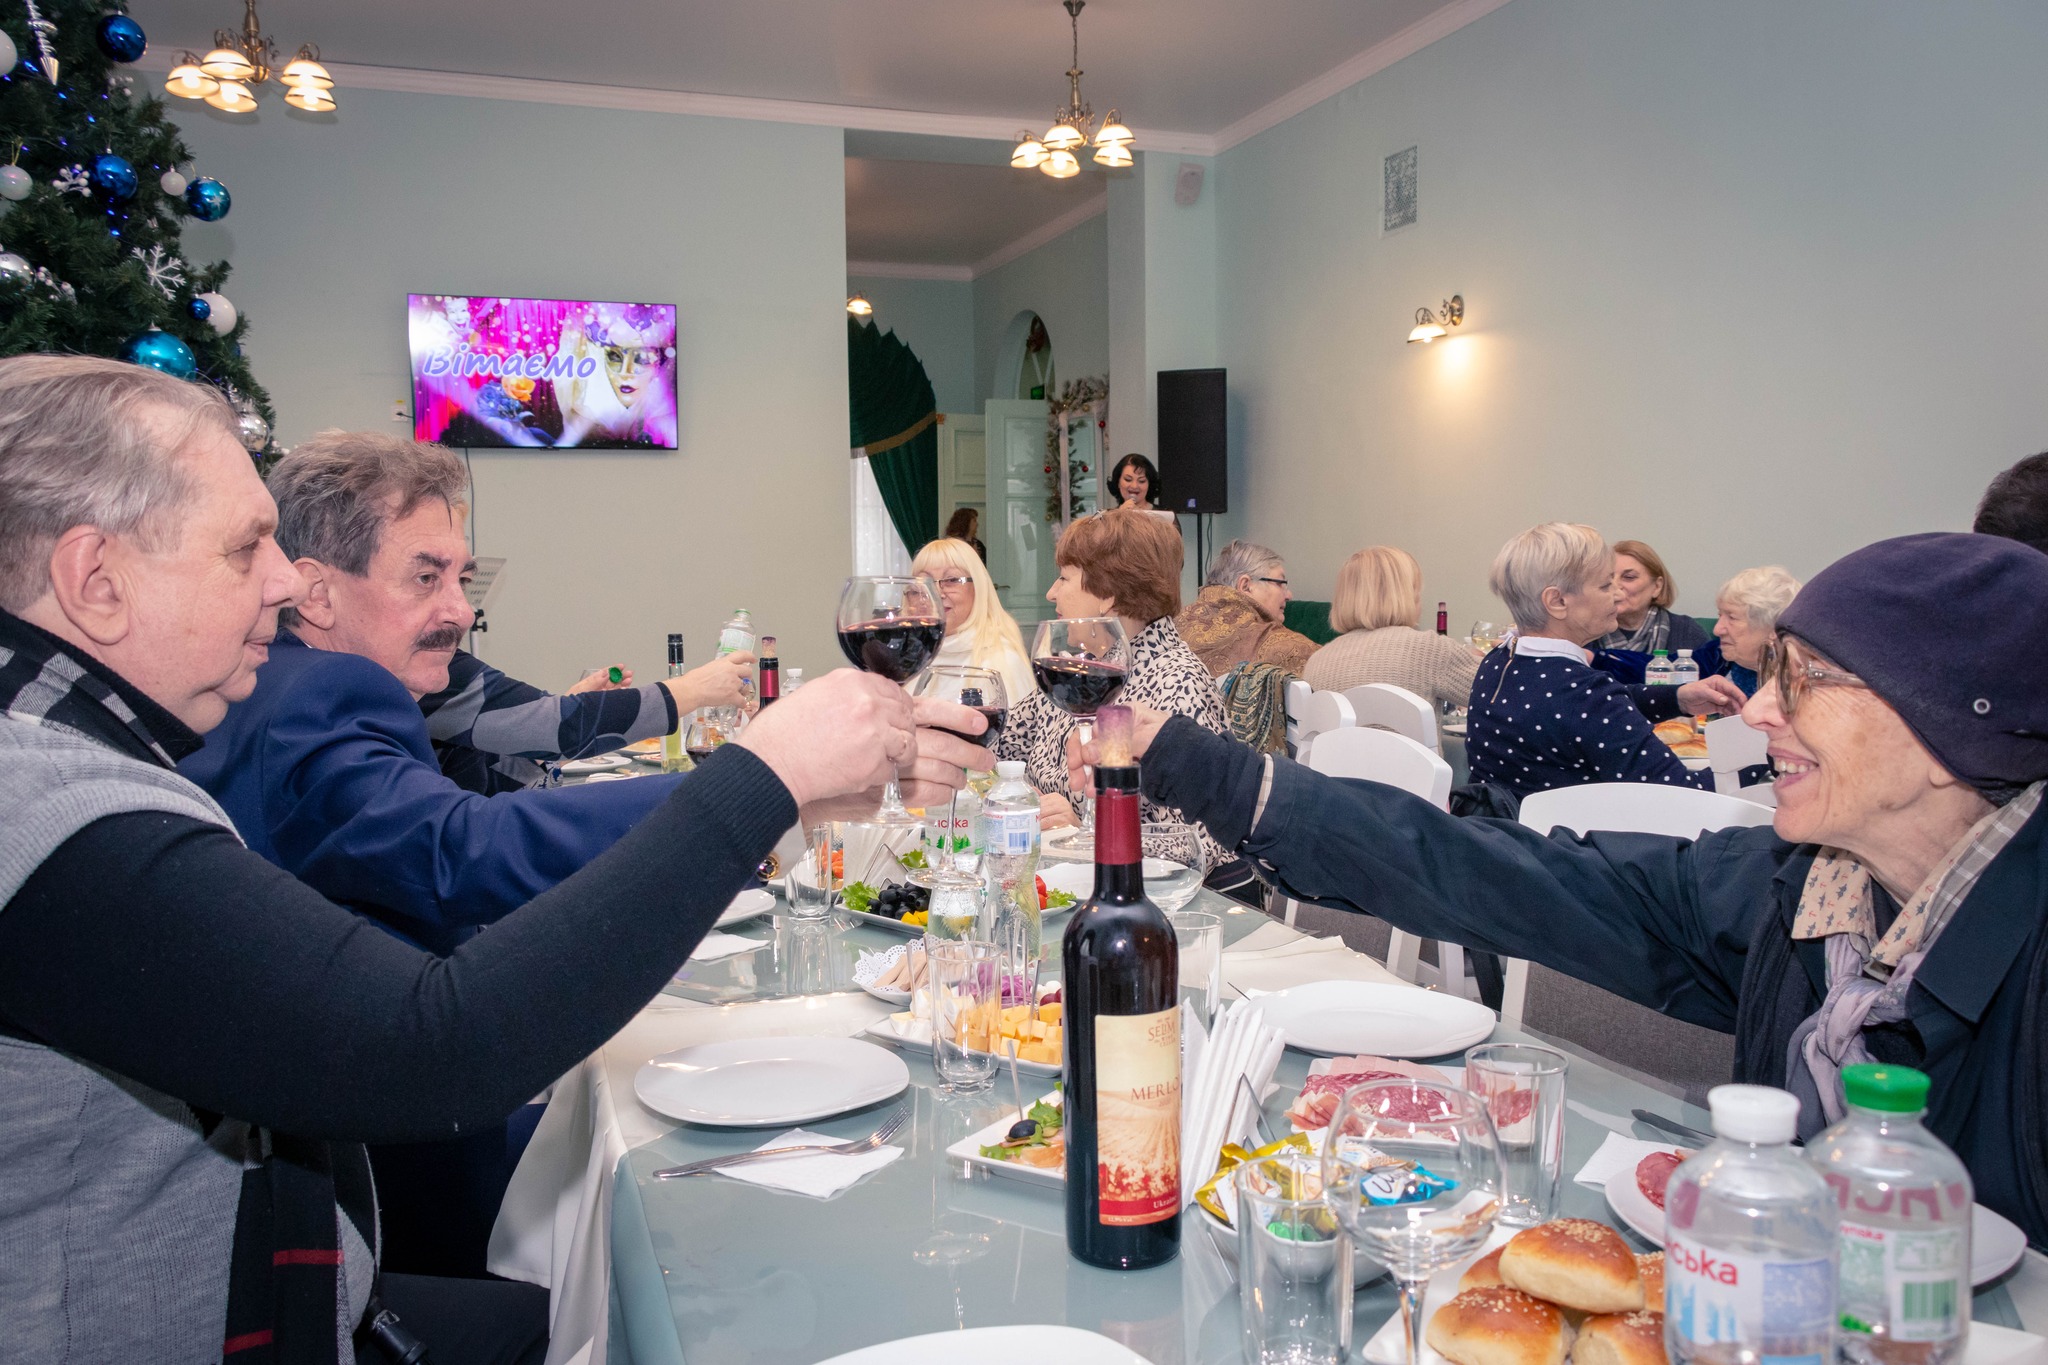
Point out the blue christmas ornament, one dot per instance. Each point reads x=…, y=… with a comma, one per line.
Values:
x=199, y=308
x=114, y=177
x=208, y=199
x=120, y=38
x=161, y=351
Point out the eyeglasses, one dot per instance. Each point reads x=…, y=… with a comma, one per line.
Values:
x=1276, y=582
x=957, y=581
x=1785, y=663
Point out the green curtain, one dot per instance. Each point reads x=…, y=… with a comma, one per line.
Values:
x=895, y=419
x=1311, y=619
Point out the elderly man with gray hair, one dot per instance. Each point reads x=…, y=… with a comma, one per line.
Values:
x=1237, y=617
x=193, y=1043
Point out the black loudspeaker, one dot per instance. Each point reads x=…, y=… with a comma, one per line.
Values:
x=1192, y=464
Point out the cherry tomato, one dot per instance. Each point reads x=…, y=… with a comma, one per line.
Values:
x=1041, y=891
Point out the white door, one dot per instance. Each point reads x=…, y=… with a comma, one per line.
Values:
x=963, y=468
x=1020, y=543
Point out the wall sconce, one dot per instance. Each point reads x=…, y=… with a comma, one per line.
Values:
x=859, y=306
x=1429, y=326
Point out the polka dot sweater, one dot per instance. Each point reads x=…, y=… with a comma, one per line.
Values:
x=1539, y=721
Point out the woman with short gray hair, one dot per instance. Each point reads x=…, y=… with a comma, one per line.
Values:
x=1542, y=716
x=1749, y=605
x=1237, y=617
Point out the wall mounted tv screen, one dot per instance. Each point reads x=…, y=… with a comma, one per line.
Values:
x=552, y=373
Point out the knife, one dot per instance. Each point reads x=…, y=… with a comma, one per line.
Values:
x=1692, y=1135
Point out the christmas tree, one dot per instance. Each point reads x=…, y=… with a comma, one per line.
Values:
x=93, y=196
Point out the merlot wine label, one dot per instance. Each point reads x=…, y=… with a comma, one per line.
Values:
x=1137, y=1117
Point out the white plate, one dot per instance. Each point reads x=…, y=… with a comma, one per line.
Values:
x=1026, y=1345
x=1375, y=1019
x=762, y=1082
x=602, y=763
x=968, y=1149
x=654, y=759
x=1996, y=1244
x=611, y=777
x=915, y=1035
x=746, y=905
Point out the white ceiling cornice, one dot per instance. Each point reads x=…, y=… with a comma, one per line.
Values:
x=520, y=89
x=896, y=270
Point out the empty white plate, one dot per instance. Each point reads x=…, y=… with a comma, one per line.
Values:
x=1025, y=1345
x=758, y=1082
x=1340, y=1018
x=747, y=904
x=602, y=763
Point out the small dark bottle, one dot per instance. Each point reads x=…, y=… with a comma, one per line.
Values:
x=768, y=670
x=1443, y=618
x=1122, y=1073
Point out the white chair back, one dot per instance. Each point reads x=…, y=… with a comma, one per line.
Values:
x=1385, y=757
x=1383, y=706
x=1732, y=745
x=1297, y=695
x=1641, y=807
x=1321, y=714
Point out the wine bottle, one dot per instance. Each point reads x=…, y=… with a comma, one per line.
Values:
x=769, y=671
x=673, y=759
x=1443, y=618
x=1122, y=1072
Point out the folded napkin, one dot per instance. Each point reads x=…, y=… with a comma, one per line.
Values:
x=716, y=945
x=1618, y=1153
x=1297, y=961
x=820, y=1176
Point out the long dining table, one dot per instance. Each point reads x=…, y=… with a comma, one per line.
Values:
x=714, y=1271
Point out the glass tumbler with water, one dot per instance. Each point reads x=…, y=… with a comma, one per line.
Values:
x=1749, y=1248
x=1523, y=1087
x=1293, y=1265
x=967, y=993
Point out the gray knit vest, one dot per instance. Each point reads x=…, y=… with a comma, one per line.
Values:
x=117, y=1211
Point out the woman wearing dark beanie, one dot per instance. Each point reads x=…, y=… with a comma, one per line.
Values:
x=1897, y=911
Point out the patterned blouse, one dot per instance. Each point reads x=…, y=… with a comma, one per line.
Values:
x=1165, y=675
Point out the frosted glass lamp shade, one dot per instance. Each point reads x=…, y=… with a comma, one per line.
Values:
x=1062, y=165
x=232, y=97
x=1062, y=137
x=226, y=64
x=187, y=81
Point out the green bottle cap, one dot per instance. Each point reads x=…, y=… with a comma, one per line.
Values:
x=1886, y=1089
x=616, y=675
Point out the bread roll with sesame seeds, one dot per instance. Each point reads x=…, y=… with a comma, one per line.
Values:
x=1482, y=1272
x=1621, y=1339
x=1496, y=1325
x=1650, y=1266
x=1575, y=1262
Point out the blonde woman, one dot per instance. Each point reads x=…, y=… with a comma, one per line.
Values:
x=978, y=631
x=1378, y=601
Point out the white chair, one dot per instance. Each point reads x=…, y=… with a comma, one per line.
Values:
x=1634, y=807
x=1398, y=761
x=1321, y=714
x=1732, y=745
x=1384, y=706
x=1298, y=693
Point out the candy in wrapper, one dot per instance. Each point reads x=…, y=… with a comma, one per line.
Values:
x=1404, y=1182
x=1210, y=1196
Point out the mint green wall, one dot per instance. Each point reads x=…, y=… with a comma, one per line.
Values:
x=1753, y=282
x=740, y=224
x=934, y=318
x=1065, y=283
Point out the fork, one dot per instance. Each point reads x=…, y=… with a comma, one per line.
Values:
x=889, y=1129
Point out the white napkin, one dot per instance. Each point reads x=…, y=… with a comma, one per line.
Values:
x=1297, y=962
x=717, y=945
x=1618, y=1153
x=821, y=1176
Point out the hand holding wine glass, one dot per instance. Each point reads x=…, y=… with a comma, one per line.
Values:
x=979, y=690
x=891, y=627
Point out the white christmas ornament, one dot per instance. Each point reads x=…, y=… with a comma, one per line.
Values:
x=221, y=314
x=14, y=181
x=73, y=180
x=251, y=429
x=13, y=267
x=171, y=183
x=165, y=271
x=8, y=56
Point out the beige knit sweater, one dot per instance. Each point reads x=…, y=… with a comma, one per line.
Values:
x=1434, y=667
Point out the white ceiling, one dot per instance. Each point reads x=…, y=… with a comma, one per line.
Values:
x=1193, y=66
x=922, y=200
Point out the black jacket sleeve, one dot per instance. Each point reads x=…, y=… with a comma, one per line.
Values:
x=1664, y=922
x=160, y=948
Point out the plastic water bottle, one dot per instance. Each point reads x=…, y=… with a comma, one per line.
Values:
x=958, y=845
x=1009, y=846
x=1658, y=674
x=735, y=635
x=1905, y=1201
x=1684, y=670
x=1749, y=1245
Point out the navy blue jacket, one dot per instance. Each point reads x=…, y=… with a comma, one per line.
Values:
x=328, y=772
x=1539, y=722
x=1699, y=929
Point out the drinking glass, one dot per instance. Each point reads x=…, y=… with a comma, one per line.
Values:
x=980, y=689
x=811, y=885
x=1522, y=1085
x=1412, y=1171
x=1199, y=936
x=1081, y=664
x=706, y=731
x=1293, y=1265
x=1485, y=635
x=1175, y=862
x=891, y=627
x=967, y=992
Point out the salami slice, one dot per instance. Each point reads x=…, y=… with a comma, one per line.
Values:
x=1653, y=1173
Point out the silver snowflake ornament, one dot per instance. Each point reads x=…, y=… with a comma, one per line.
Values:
x=73, y=180
x=165, y=271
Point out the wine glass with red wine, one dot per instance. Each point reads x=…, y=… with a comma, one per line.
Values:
x=1081, y=664
x=978, y=689
x=891, y=627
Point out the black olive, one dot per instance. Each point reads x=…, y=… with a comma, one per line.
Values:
x=1022, y=1129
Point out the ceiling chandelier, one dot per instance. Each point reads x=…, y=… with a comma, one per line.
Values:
x=1073, y=127
x=225, y=77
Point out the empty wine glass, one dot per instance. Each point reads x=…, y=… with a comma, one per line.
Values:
x=1412, y=1171
x=1081, y=664
x=1175, y=862
x=891, y=627
x=979, y=689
